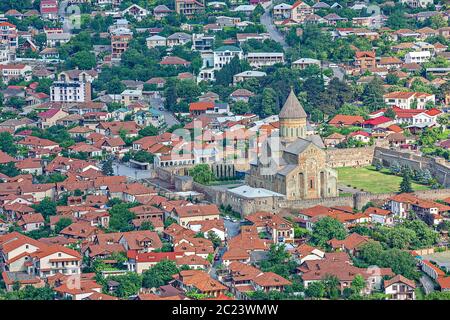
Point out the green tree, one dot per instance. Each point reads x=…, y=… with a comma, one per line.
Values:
x=30, y=293
x=147, y=225
x=405, y=185
x=62, y=224
x=316, y=290
x=44, y=85
x=214, y=239
x=171, y=95
x=202, y=173
x=401, y=262
x=438, y=21
x=269, y=102
x=46, y=207
x=160, y=274
x=358, y=284
x=373, y=94
x=120, y=218
x=84, y=60
x=437, y=295
x=107, y=167
x=115, y=86
x=425, y=236
x=129, y=284
x=7, y=143
x=143, y=156
x=16, y=102
x=149, y=130
x=390, y=113
x=240, y=107
x=326, y=229
x=225, y=75
x=331, y=284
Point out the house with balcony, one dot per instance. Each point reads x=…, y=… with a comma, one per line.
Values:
x=300, y=10
x=400, y=288
x=224, y=54
x=281, y=11
x=189, y=8
x=365, y=60
x=55, y=259
x=264, y=59
x=408, y=100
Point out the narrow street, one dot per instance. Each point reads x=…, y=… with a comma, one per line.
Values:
x=169, y=118
x=266, y=20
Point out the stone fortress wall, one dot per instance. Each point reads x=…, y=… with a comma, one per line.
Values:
x=439, y=167
x=338, y=158
x=350, y=157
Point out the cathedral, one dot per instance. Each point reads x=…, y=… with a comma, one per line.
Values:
x=291, y=162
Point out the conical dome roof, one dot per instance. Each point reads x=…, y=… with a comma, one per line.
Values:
x=292, y=108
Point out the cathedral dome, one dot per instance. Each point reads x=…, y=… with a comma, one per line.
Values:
x=292, y=108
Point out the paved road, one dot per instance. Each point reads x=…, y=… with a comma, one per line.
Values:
x=266, y=20
x=338, y=72
x=216, y=263
x=276, y=35
x=232, y=230
x=169, y=118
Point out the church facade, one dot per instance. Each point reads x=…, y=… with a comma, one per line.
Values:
x=292, y=163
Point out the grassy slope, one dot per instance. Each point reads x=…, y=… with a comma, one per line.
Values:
x=370, y=180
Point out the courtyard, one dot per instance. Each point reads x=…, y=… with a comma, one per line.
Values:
x=370, y=180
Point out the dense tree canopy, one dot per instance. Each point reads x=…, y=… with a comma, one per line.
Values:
x=326, y=229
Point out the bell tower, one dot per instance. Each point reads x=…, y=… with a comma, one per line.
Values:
x=292, y=119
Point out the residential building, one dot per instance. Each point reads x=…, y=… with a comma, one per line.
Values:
x=263, y=59
x=120, y=38
x=57, y=39
x=156, y=41
x=365, y=59
x=9, y=35
x=185, y=215
x=417, y=3
x=281, y=11
x=417, y=57
x=400, y=288
x=189, y=8
x=300, y=10
x=408, y=100
x=136, y=12
x=224, y=54
x=15, y=71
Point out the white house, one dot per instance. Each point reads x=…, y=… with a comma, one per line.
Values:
x=70, y=91
x=135, y=11
x=262, y=59
x=417, y=56
x=400, y=288
x=156, y=41
x=224, y=54
x=417, y=3
x=281, y=11
x=405, y=100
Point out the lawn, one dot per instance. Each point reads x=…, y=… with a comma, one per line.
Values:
x=368, y=179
